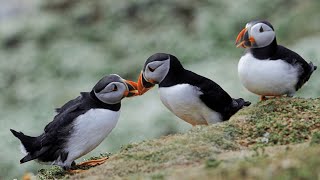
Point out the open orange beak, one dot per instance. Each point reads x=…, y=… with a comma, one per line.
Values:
x=243, y=39
x=133, y=89
x=144, y=85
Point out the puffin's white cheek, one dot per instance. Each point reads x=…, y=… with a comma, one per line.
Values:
x=102, y=97
x=148, y=75
x=157, y=75
x=264, y=39
x=152, y=76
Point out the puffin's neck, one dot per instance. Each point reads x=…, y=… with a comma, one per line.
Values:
x=174, y=74
x=173, y=77
x=114, y=107
x=265, y=52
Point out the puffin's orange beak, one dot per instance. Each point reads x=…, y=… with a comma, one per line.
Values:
x=243, y=39
x=143, y=85
x=133, y=89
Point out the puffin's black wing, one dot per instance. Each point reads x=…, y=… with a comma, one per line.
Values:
x=49, y=145
x=295, y=59
x=65, y=117
x=56, y=133
x=213, y=95
x=67, y=113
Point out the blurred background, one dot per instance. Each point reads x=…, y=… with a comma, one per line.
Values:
x=52, y=50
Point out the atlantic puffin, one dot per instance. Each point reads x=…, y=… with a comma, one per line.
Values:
x=269, y=69
x=193, y=98
x=80, y=125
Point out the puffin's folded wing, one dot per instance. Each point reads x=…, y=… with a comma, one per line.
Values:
x=214, y=96
x=291, y=57
x=64, y=118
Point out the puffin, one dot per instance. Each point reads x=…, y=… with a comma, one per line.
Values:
x=191, y=97
x=269, y=69
x=79, y=126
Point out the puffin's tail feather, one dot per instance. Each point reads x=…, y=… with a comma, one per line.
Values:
x=241, y=102
x=26, y=141
x=313, y=67
x=306, y=76
x=29, y=144
x=237, y=104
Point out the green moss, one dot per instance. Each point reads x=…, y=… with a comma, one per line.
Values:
x=212, y=163
x=127, y=147
x=315, y=140
x=157, y=177
x=102, y=155
x=280, y=121
x=55, y=172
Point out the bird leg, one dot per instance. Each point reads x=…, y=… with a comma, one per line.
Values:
x=94, y=162
x=263, y=98
x=275, y=97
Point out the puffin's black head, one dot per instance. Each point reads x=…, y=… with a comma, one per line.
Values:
x=155, y=70
x=112, y=88
x=256, y=34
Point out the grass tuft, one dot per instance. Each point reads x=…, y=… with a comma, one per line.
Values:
x=212, y=163
x=315, y=140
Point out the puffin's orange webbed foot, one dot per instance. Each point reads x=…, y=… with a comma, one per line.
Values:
x=28, y=176
x=86, y=164
x=94, y=162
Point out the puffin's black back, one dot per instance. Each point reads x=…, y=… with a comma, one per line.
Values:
x=50, y=145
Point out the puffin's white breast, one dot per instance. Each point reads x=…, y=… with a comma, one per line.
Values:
x=267, y=77
x=89, y=130
x=183, y=100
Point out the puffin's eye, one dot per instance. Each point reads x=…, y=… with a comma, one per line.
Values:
x=150, y=69
x=115, y=88
x=261, y=29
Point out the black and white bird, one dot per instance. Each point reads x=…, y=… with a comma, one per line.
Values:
x=80, y=125
x=193, y=98
x=269, y=69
